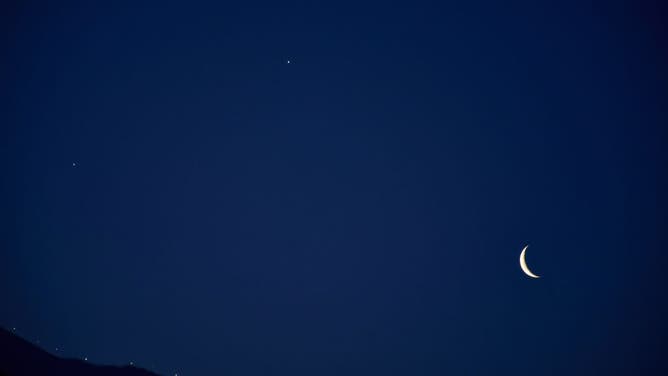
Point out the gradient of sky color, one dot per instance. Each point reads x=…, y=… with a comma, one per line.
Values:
x=177, y=195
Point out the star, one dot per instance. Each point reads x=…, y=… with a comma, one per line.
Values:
x=288, y=61
x=74, y=164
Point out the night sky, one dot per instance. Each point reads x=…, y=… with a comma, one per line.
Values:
x=337, y=189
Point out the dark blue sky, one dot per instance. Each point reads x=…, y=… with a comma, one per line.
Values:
x=357, y=211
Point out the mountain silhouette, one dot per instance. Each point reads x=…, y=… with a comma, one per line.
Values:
x=19, y=357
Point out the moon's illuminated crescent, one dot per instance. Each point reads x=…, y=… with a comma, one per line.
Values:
x=523, y=264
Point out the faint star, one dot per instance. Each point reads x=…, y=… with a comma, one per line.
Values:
x=74, y=164
x=288, y=61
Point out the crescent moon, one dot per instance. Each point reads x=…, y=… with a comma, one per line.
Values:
x=523, y=264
